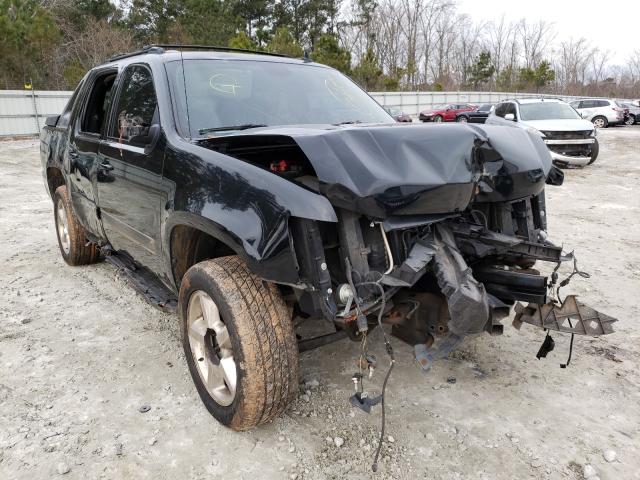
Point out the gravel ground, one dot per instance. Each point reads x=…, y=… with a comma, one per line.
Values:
x=80, y=353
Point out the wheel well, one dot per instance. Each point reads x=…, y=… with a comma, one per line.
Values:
x=54, y=179
x=190, y=246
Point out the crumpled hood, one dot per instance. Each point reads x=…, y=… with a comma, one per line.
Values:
x=414, y=169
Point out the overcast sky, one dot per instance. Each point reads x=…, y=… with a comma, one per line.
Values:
x=612, y=25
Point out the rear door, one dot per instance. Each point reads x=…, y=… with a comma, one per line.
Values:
x=85, y=132
x=130, y=190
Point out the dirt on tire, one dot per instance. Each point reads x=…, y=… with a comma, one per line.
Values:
x=262, y=333
x=81, y=252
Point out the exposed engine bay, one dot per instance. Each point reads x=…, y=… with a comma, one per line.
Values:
x=438, y=229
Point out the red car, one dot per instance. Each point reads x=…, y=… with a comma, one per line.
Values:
x=445, y=113
x=399, y=115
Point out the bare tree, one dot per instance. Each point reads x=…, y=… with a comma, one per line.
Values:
x=423, y=44
x=535, y=39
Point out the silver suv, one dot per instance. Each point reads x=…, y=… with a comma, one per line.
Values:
x=601, y=111
x=571, y=140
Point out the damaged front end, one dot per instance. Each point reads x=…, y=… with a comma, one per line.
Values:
x=439, y=229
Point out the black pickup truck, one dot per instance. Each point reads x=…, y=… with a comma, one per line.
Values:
x=247, y=190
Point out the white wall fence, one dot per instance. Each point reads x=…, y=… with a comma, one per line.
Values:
x=23, y=112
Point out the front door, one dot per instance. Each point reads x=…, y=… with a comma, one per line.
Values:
x=129, y=177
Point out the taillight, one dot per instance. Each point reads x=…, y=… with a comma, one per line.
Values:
x=617, y=109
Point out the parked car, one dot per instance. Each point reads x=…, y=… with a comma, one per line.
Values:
x=602, y=112
x=445, y=113
x=399, y=115
x=570, y=138
x=633, y=116
x=478, y=115
x=246, y=190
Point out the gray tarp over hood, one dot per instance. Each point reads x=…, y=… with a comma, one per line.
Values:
x=388, y=169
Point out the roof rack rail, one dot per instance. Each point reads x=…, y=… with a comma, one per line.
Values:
x=142, y=51
x=214, y=48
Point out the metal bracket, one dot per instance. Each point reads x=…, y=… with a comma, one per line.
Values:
x=570, y=317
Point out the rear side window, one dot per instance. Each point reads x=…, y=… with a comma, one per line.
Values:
x=602, y=103
x=136, y=106
x=95, y=113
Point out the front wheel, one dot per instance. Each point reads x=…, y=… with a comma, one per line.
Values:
x=631, y=120
x=594, y=151
x=239, y=343
x=437, y=118
x=462, y=119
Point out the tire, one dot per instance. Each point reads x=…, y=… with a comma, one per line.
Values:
x=72, y=239
x=600, y=122
x=631, y=120
x=243, y=318
x=594, y=151
x=437, y=118
x=462, y=119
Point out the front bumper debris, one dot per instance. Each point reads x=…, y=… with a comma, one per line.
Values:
x=571, y=160
x=571, y=317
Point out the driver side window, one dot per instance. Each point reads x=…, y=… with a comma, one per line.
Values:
x=137, y=107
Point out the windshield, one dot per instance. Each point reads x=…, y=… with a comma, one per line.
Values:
x=547, y=111
x=245, y=93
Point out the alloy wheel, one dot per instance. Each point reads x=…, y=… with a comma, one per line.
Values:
x=62, y=225
x=598, y=122
x=211, y=348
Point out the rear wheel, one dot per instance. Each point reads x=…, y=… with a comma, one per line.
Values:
x=239, y=343
x=600, y=122
x=594, y=151
x=631, y=120
x=462, y=119
x=437, y=118
x=74, y=246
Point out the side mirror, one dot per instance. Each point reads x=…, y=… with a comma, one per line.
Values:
x=510, y=116
x=52, y=121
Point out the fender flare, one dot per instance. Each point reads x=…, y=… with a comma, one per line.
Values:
x=280, y=267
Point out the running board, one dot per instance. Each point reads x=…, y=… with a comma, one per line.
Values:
x=570, y=317
x=144, y=282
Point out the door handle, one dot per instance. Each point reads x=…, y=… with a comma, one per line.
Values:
x=106, y=166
